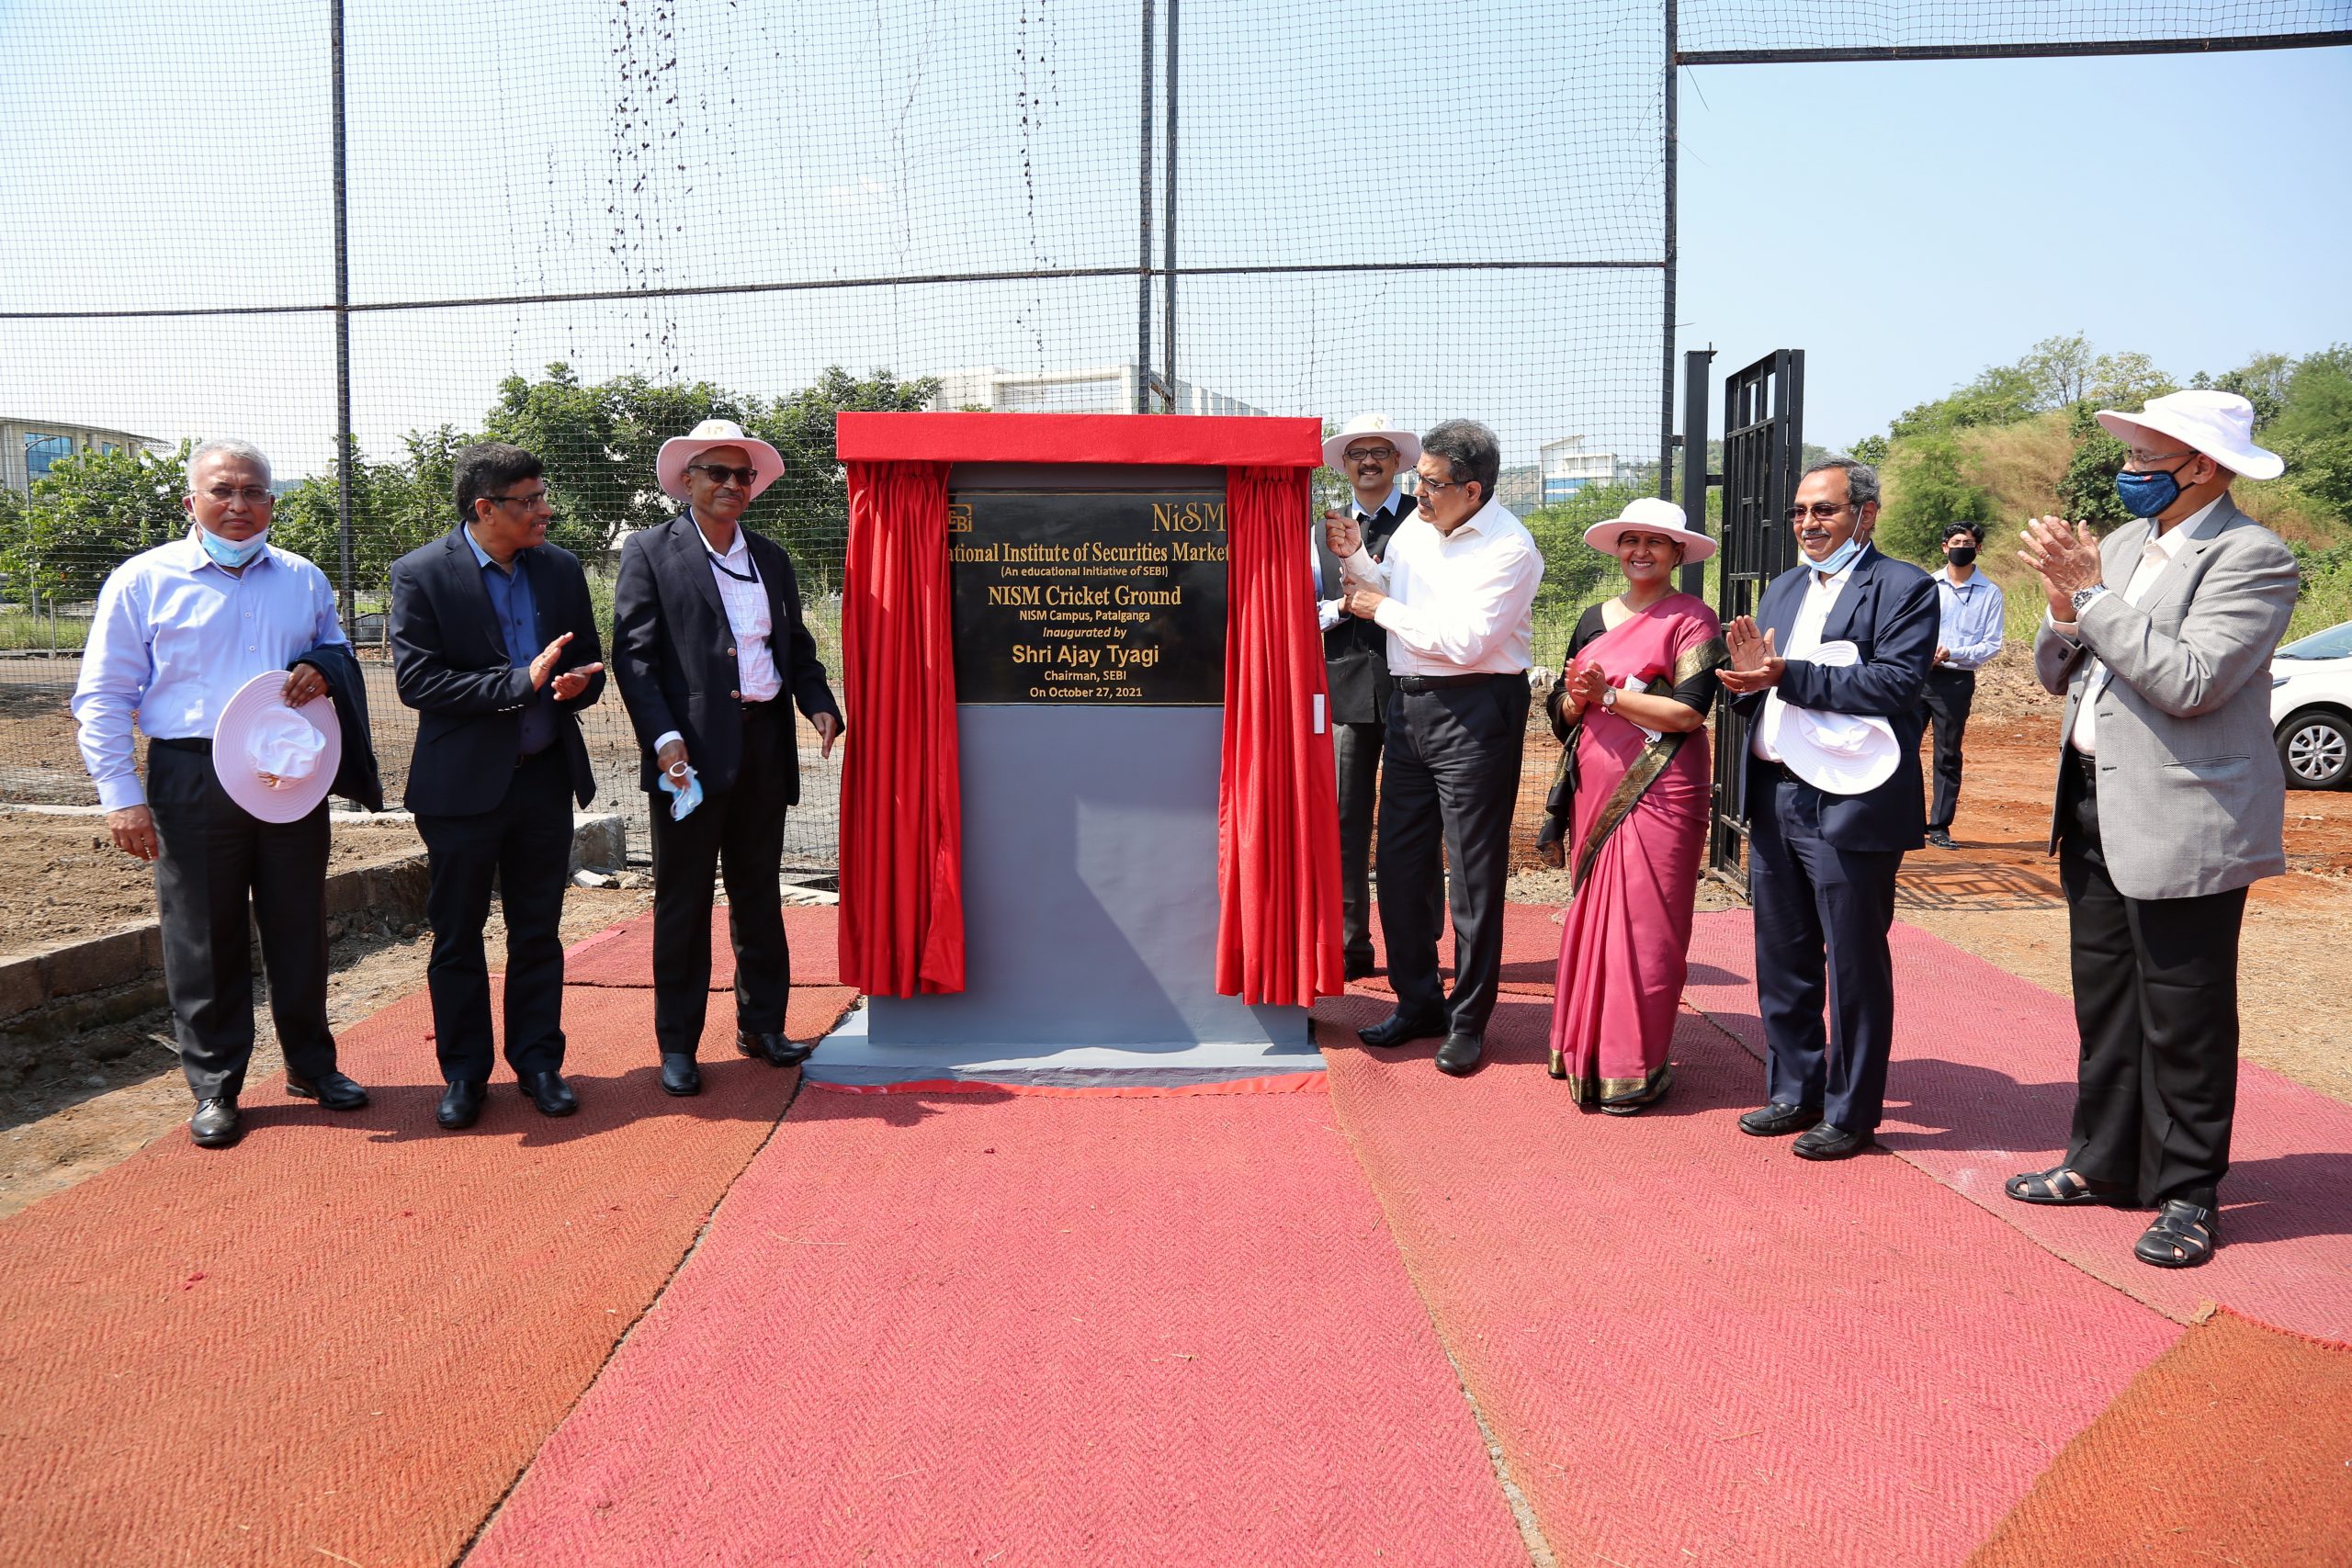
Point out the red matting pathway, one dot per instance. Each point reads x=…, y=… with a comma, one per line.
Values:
x=981, y=1329
x=623, y=955
x=341, y=1340
x=1695, y=1348
x=1982, y=1086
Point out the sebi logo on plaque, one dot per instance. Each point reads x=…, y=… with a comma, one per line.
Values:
x=1087, y=596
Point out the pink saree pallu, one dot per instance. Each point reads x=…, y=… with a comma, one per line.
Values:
x=1640, y=821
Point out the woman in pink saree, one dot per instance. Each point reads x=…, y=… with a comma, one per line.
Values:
x=1629, y=817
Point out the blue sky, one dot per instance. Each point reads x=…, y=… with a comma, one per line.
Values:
x=1905, y=224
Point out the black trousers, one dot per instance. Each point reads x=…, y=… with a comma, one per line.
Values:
x=1449, y=784
x=1355, y=751
x=2156, y=1005
x=1822, y=918
x=221, y=867
x=1949, y=694
x=738, y=831
x=524, y=845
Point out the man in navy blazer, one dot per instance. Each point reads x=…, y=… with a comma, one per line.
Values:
x=1822, y=862
x=494, y=645
x=713, y=654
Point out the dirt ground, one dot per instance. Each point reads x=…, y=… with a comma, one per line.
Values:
x=65, y=879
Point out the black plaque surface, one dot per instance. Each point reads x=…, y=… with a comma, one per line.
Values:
x=1089, y=597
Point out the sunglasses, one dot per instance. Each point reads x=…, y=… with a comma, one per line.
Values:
x=1820, y=510
x=720, y=475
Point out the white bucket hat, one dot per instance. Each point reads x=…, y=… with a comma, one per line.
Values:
x=1648, y=514
x=2219, y=424
x=277, y=763
x=670, y=467
x=1839, y=753
x=1408, y=445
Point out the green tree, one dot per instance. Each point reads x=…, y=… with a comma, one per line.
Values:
x=90, y=512
x=1871, y=449
x=2262, y=381
x=1575, y=574
x=2059, y=369
x=395, y=507
x=1928, y=487
x=2314, y=429
x=2087, y=492
x=808, y=508
x=2128, y=380
x=2001, y=394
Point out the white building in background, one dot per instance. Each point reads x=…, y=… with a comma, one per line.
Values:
x=1568, y=468
x=28, y=447
x=1104, y=389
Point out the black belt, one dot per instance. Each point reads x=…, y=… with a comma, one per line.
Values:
x=195, y=743
x=1445, y=683
x=2087, y=766
x=1782, y=772
x=754, y=710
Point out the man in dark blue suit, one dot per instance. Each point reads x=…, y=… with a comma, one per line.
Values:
x=494, y=645
x=1829, y=671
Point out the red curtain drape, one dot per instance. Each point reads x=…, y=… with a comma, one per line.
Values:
x=1278, y=825
x=902, y=833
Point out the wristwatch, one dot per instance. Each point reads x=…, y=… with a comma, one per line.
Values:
x=1608, y=697
x=2084, y=595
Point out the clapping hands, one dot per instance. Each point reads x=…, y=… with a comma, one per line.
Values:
x=1756, y=665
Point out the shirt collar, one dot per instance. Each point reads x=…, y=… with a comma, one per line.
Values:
x=193, y=552
x=1396, y=497
x=733, y=550
x=2172, y=539
x=485, y=559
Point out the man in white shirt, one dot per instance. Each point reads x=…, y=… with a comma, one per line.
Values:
x=1455, y=597
x=2171, y=802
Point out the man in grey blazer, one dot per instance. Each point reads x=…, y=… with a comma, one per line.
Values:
x=2171, y=801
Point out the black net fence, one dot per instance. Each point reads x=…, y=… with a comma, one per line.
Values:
x=1730, y=30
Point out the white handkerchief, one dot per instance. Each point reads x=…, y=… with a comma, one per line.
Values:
x=283, y=748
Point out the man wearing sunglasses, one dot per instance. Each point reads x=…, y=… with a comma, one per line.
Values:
x=1455, y=596
x=712, y=654
x=1830, y=671
x=494, y=645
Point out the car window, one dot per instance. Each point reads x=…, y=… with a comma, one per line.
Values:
x=2334, y=643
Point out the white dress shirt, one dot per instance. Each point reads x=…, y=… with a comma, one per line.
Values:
x=174, y=637
x=2155, y=555
x=1822, y=593
x=1331, y=612
x=748, y=622
x=1459, y=604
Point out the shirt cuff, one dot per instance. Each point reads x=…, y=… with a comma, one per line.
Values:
x=1330, y=611
x=664, y=739
x=122, y=791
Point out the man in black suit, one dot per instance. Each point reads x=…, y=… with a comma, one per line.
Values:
x=708, y=642
x=494, y=645
x=1840, y=646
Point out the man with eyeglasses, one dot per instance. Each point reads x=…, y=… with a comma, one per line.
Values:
x=179, y=628
x=494, y=644
x=1367, y=452
x=1829, y=670
x=712, y=654
x=2171, y=804
x=1455, y=597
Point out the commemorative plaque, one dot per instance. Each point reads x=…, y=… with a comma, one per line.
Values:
x=1090, y=597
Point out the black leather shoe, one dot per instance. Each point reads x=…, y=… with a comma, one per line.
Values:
x=1829, y=1141
x=679, y=1074
x=1398, y=1029
x=1778, y=1121
x=332, y=1091
x=1458, y=1057
x=1358, y=969
x=773, y=1049
x=460, y=1106
x=550, y=1093
x=215, y=1124
x=1942, y=839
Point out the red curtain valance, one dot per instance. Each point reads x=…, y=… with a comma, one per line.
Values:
x=1278, y=827
x=902, y=825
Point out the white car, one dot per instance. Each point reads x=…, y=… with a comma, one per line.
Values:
x=2311, y=708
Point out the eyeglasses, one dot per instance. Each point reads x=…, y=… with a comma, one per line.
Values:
x=1820, y=510
x=1369, y=454
x=721, y=475
x=2138, y=462
x=221, y=495
x=1432, y=487
x=525, y=501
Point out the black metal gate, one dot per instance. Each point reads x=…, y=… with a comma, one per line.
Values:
x=1763, y=458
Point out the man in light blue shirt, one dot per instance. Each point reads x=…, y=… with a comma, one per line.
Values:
x=179, y=628
x=1969, y=640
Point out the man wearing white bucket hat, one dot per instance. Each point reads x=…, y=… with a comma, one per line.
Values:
x=712, y=654
x=195, y=638
x=1830, y=670
x=2171, y=801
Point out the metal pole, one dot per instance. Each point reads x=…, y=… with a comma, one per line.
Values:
x=1665, y=344
x=1168, y=227
x=1695, y=478
x=1142, y=249
x=344, y=454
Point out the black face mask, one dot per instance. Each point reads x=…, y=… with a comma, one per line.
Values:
x=1961, y=554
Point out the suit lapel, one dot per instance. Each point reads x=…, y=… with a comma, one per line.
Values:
x=1861, y=585
x=767, y=557
x=481, y=616
x=2208, y=529
x=694, y=559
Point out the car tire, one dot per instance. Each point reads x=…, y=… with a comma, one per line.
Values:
x=2315, y=748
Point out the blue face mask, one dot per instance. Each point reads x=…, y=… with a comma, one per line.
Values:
x=684, y=797
x=2147, y=495
x=231, y=553
x=1836, y=561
